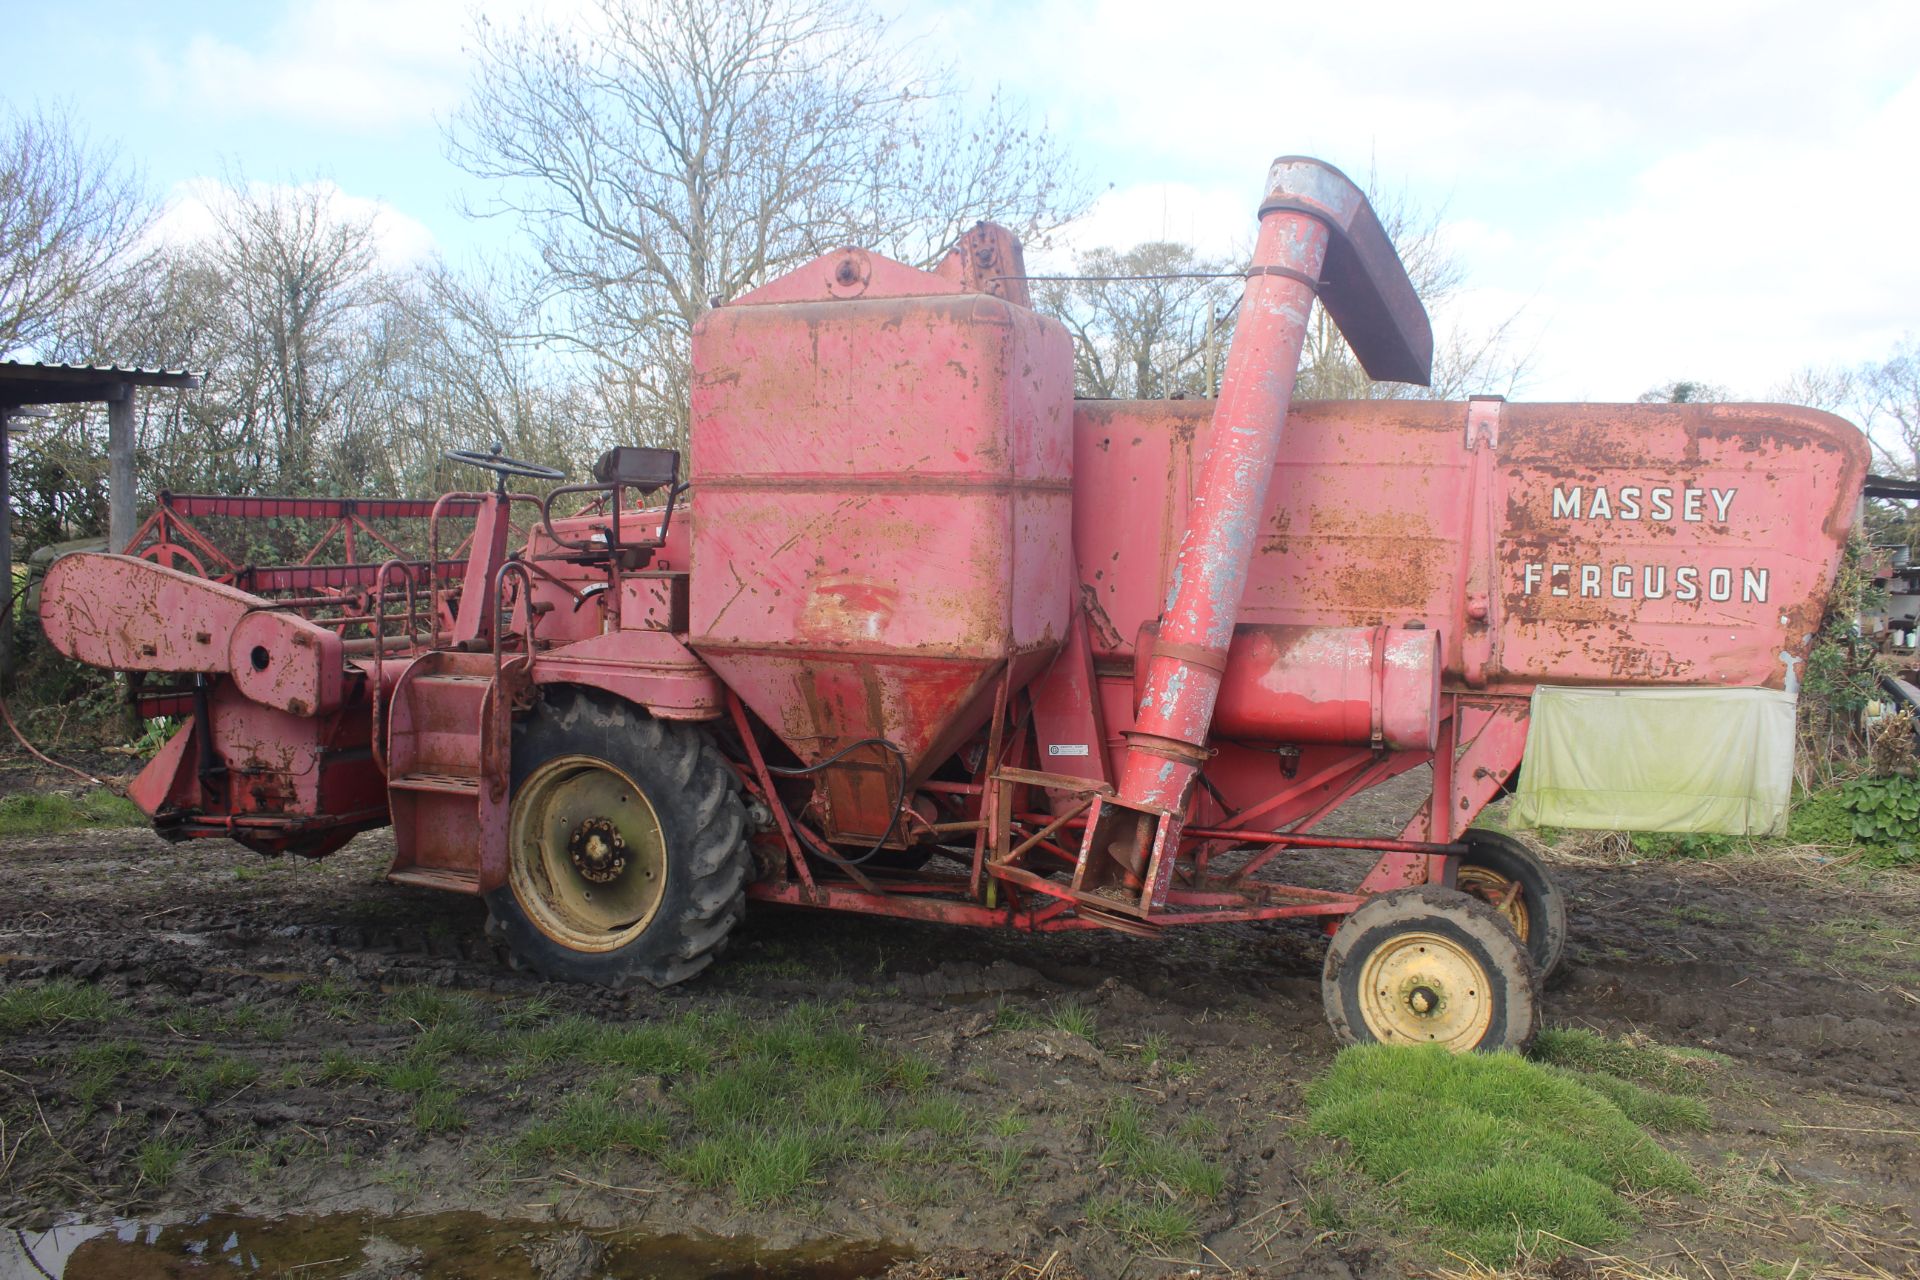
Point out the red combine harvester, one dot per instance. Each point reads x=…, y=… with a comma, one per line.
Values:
x=928, y=638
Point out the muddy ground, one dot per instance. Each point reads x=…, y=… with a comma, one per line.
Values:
x=242, y=990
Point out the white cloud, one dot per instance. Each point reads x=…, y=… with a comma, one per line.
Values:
x=1215, y=220
x=352, y=64
x=190, y=217
x=1719, y=190
x=1738, y=261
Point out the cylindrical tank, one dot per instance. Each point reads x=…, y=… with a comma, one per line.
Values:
x=1325, y=686
x=881, y=515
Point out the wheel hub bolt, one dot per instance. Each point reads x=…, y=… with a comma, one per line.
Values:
x=597, y=850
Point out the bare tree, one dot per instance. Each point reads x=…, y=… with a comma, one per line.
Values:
x=1686, y=391
x=68, y=215
x=300, y=277
x=1147, y=323
x=1151, y=337
x=690, y=149
x=1818, y=387
x=1887, y=399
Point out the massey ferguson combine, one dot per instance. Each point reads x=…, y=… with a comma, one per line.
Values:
x=925, y=637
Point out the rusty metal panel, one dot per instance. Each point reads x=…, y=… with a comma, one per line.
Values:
x=881, y=512
x=1668, y=544
x=1370, y=521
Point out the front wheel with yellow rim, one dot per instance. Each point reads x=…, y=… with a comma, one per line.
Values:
x=627, y=851
x=1435, y=966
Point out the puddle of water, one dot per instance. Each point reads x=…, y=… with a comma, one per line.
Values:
x=439, y=1246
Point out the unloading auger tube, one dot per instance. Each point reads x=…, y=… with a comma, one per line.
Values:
x=926, y=637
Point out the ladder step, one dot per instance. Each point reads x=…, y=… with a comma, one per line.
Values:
x=445, y=878
x=436, y=783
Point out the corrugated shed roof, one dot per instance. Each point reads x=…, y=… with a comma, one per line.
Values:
x=54, y=369
x=39, y=382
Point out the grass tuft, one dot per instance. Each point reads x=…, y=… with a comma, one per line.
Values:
x=35, y=813
x=1640, y=1061
x=158, y=1160
x=592, y=1123
x=1075, y=1019
x=215, y=1075
x=1172, y=1166
x=42, y=1005
x=1500, y=1155
x=1158, y=1224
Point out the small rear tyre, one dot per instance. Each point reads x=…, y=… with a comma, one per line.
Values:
x=627, y=852
x=1429, y=965
x=1492, y=866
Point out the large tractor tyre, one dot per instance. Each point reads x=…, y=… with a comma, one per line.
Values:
x=1504, y=874
x=1429, y=965
x=627, y=849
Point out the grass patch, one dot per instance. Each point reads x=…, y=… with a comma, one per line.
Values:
x=1075, y=1019
x=655, y=1048
x=1170, y=1165
x=97, y=1068
x=1156, y=1223
x=761, y=1165
x=757, y=1107
x=43, y=1005
x=1013, y=1017
x=215, y=1075
x=592, y=1123
x=1641, y=1061
x=438, y=1110
x=912, y=1073
x=158, y=1160
x=940, y=1113
x=427, y=1008
x=36, y=813
x=1499, y=1155
x=338, y=1066
x=338, y=1002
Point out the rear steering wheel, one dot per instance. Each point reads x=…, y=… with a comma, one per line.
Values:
x=503, y=466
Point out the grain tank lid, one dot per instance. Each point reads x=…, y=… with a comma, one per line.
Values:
x=844, y=275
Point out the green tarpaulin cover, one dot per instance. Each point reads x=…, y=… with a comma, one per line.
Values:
x=1693, y=760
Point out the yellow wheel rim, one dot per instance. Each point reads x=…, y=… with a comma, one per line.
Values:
x=1421, y=988
x=587, y=860
x=1498, y=892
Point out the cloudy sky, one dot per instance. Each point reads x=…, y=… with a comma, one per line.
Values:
x=1680, y=189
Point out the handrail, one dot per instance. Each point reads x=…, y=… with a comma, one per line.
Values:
x=379, y=642
x=611, y=488
x=533, y=617
x=433, y=533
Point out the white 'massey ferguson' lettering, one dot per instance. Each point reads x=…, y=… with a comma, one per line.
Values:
x=1663, y=504
x=1684, y=584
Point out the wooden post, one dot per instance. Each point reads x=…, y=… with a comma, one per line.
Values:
x=120, y=510
x=6, y=550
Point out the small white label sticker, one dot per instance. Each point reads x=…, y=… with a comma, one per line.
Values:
x=1066, y=748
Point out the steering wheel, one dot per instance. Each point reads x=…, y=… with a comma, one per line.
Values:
x=503, y=466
